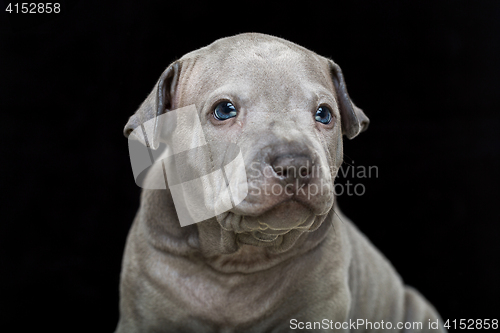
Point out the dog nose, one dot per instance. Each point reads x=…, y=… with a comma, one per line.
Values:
x=291, y=167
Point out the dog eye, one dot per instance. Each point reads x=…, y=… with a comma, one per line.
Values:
x=323, y=115
x=224, y=111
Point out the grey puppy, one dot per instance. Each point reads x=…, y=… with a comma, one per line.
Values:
x=280, y=260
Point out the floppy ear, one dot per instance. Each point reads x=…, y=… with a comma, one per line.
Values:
x=157, y=103
x=354, y=121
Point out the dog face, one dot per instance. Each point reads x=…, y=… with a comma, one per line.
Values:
x=286, y=108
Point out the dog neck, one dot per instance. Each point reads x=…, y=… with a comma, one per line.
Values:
x=208, y=242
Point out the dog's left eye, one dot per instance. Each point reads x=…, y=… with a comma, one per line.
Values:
x=225, y=110
x=323, y=115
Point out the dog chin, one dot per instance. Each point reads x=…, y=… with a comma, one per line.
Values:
x=278, y=228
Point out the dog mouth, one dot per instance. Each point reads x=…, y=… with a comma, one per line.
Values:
x=276, y=226
x=268, y=234
x=279, y=219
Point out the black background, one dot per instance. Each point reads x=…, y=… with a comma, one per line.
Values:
x=425, y=72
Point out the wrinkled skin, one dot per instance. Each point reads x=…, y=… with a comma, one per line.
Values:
x=275, y=256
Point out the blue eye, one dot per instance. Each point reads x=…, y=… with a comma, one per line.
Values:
x=224, y=111
x=323, y=115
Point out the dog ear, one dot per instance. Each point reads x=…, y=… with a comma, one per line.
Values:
x=158, y=102
x=354, y=121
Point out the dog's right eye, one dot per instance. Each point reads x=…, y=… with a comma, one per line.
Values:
x=323, y=115
x=224, y=111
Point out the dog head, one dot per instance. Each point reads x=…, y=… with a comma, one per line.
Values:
x=285, y=107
